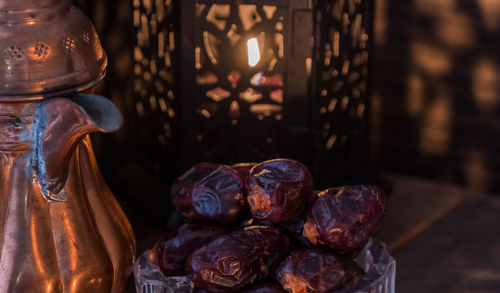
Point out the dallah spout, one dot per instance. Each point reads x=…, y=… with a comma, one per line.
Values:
x=59, y=126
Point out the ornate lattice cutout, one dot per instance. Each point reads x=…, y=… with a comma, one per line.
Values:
x=228, y=105
x=342, y=74
x=233, y=89
x=223, y=68
x=154, y=86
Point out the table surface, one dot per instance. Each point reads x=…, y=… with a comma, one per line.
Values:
x=444, y=238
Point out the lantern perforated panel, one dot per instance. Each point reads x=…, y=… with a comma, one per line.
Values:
x=155, y=82
x=240, y=65
x=342, y=81
x=229, y=81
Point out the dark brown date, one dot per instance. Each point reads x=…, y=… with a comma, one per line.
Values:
x=268, y=287
x=174, y=249
x=244, y=169
x=316, y=271
x=295, y=232
x=279, y=190
x=343, y=218
x=182, y=188
x=230, y=262
x=210, y=191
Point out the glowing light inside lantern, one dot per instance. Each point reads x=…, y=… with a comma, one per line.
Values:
x=253, y=52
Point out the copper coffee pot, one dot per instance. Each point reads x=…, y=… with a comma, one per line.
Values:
x=61, y=229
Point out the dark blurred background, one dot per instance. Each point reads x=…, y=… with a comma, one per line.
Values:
x=435, y=89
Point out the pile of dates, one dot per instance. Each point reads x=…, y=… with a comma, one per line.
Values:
x=263, y=228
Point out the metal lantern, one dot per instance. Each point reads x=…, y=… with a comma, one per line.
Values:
x=249, y=80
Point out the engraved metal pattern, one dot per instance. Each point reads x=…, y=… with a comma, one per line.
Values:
x=14, y=52
x=69, y=44
x=46, y=54
x=86, y=37
x=41, y=50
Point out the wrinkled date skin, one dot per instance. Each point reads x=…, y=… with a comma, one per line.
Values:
x=295, y=232
x=174, y=250
x=279, y=190
x=244, y=169
x=343, y=218
x=316, y=271
x=210, y=191
x=182, y=188
x=269, y=287
x=230, y=262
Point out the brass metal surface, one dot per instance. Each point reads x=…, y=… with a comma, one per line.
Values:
x=61, y=229
x=48, y=48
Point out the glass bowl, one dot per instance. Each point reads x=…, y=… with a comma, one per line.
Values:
x=379, y=267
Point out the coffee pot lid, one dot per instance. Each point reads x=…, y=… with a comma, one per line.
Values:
x=48, y=48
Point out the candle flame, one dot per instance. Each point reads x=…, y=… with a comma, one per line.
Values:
x=253, y=52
